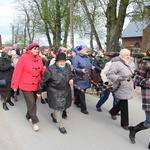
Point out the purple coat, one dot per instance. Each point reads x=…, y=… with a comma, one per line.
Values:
x=142, y=79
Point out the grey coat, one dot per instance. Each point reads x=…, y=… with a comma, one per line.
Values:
x=120, y=68
x=58, y=89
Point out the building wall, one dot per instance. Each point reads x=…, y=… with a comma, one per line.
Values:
x=130, y=42
x=146, y=38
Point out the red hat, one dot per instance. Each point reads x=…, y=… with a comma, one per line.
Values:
x=33, y=45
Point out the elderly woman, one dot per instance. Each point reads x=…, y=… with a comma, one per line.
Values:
x=26, y=76
x=6, y=71
x=81, y=63
x=57, y=79
x=121, y=73
x=142, y=80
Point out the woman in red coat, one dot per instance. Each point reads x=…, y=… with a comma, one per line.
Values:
x=27, y=76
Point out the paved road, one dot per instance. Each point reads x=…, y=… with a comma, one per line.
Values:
x=96, y=131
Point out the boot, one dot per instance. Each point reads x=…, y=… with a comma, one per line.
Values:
x=134, y=130
x=5, y=106
x=64, y=114
x=149, y=146
x=10, y=102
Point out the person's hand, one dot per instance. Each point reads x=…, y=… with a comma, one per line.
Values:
x=84, y=71
x=15, y=90
x=120, y=79
x=71, y=82
x=93, y=67
x=38, y=95
x=12, y=64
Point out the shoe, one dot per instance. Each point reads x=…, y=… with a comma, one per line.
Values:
x=99, y=109
x=46, y=100
x=149, y=146
x=64, y=114
x=113, y=116
x=54, y=120
x=35, y=127
x=63, y=130
x=30, y=120
x=10, y=102
x=15, y=99
x=78, y=105
x=125, y=127
x=118, y=114
x=5, y=106
x=85, y=112
x=42, y=101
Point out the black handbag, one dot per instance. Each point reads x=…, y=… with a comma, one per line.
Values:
x=3, y=83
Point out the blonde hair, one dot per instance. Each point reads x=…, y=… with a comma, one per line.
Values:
x=124, y=52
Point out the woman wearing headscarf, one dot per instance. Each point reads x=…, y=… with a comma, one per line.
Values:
x=120, y=73
x=142, y=79
x=26, y=76
x=81, y=64
x=6, y=71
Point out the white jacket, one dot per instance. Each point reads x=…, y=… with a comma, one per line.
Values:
x=105, y=71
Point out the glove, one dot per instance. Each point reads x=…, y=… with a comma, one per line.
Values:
x=120, y=79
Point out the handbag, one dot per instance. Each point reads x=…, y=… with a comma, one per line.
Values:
x=94, y=77
x=3, y=83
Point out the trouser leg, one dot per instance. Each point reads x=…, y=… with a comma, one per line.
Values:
x=82, y=100
x=30, y=98
x=124, y=112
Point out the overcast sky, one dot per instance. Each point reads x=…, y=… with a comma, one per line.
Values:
x=7, y=13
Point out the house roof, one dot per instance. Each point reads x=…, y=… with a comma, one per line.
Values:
x=134, y=29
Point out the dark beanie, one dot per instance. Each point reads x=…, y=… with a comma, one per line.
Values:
x=61, y=56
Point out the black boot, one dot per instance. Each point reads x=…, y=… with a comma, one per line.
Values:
x=10, y=102
x=149, y=146
x=5, y=106
x=64, y=114
x=42, y=101
x=134, y=130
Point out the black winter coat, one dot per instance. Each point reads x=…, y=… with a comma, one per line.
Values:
x=58, y=89
x=6, y=71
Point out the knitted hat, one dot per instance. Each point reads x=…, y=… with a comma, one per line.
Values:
x=124, y=52
x=81, y=47
x=75, y=49
x=33, y=45
x=62, y=49
x=61, y=56
x=6, y=49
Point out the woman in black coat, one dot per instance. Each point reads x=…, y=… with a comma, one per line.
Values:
x=57, y=79
x=6, y=71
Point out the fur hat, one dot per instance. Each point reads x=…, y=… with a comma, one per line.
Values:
x=61, y=56
x=6, y=49
x=124, y=52
x=33, y=45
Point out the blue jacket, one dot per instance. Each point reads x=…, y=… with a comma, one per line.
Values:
x=80, y=62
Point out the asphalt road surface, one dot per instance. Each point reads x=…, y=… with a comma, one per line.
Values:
x=96, y=131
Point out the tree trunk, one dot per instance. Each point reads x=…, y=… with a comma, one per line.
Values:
x=91, y=23
x=115, y=23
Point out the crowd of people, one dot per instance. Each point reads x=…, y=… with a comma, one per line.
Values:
x=36, y=72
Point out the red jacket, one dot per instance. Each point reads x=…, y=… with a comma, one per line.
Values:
x=27, y=73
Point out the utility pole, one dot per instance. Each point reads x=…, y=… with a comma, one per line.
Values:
x=71, y=23
x=12, y=34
